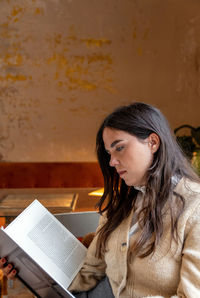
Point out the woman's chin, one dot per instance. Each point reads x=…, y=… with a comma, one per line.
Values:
x=133, y=183
x=128, y=182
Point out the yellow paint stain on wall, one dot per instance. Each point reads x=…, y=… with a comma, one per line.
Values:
x=16, y=10
x=83, y=84
x=10, y=116
x=72, y=37
x=60, y=84
x=13, y=60
x=13, y=78
x=79, y=59
x=74, y=110
x=15, y=14
x=79, y=110
x=144, y=34
x=72, y=34
x=23, y=119
x=60, y=60
x=7, y=57
x=52, y=58
x=34, y=102
x=69, y=71
x=73, y=99
x=134, y=35
x=5, y=34
x=110, y=89
x=38, y=11
x=139, y=51
x=58, y=39
x=19, y=59
x=4, y=25
x=60, y=100
x=22, y=104
x=99, y=58
x=78, y=69
x=56, y=76
x=92, y=42
x=16, y=45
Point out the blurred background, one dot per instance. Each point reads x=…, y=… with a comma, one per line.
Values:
x=66, y=64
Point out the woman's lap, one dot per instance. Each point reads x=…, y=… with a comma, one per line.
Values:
x=103, y=289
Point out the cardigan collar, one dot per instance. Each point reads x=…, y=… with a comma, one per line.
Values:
x=175, y=179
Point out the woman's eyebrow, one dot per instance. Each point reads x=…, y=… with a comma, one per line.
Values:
x=114, y=143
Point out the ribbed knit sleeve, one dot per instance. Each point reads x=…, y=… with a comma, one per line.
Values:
x=93, y=269
x=189, y=285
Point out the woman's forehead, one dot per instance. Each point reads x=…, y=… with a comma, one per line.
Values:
x=112, y=136
x=113, y=133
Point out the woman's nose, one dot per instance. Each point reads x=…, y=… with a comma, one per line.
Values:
x=113, y=161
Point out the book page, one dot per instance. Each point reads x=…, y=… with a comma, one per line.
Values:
x=48, y=242
x=68, y=256
x=29, y=272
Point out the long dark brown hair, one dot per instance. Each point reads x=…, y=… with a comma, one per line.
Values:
x=140, y=120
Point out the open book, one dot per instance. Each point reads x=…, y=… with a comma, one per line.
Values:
x=47, y=255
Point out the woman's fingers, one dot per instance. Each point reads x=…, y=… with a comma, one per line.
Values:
x=2, y=262
x=7, y=268
x=12, y=274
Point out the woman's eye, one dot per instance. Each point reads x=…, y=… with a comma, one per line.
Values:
x=119, y=148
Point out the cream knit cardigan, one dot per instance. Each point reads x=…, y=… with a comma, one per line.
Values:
x=172, y=271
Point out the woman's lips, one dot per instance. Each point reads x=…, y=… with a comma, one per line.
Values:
x=121, y=173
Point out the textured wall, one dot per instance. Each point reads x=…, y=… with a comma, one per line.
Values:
x=64, y=64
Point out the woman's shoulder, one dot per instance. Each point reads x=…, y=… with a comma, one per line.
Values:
x=102, y=219
x=190, y=191
x=188, y=187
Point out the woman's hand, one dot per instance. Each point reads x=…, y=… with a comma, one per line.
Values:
x=7, y=268
x=87, y=239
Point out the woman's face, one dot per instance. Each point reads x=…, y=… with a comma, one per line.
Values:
x=130, y=156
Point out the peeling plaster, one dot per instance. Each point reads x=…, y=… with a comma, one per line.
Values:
x=59, y=78
x=189, y=77
x=67, y=61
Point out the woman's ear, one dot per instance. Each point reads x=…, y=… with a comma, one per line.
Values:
x=154, y=142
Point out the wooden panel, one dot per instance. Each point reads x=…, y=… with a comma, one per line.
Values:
x=70, y=175
x=14, y=204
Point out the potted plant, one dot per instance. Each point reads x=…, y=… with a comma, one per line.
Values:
x=190, y=144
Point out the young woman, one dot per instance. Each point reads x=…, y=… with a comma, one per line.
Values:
x=148, y=240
